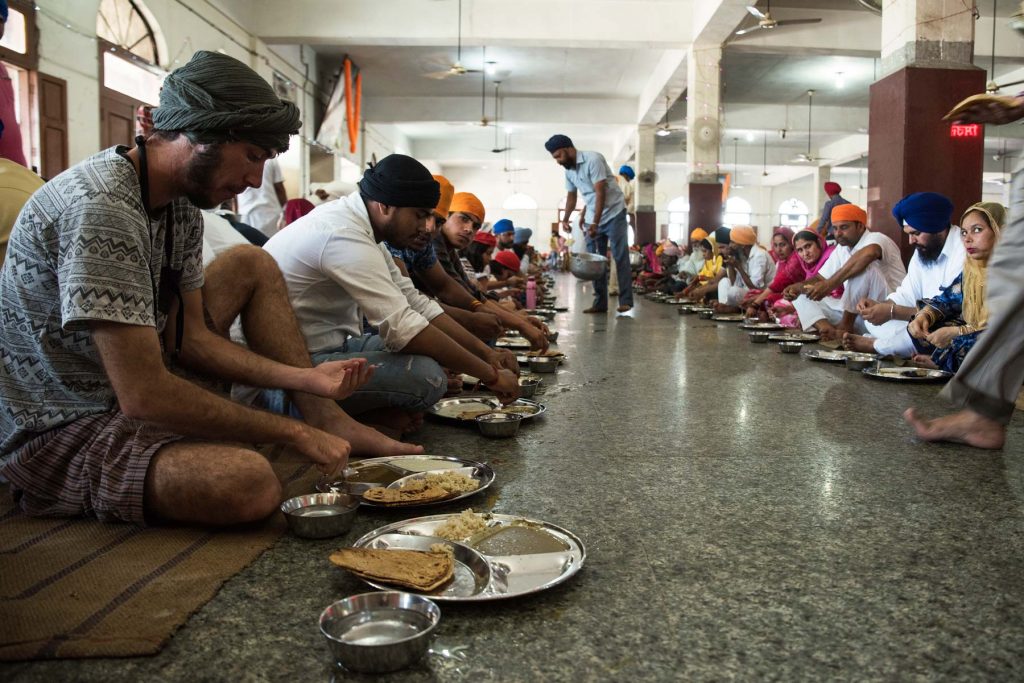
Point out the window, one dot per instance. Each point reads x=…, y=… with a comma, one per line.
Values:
x=678, y=219
x=124, y=23
x=737, y=212
x=519, y=200
x=19, y=60
x=793, y=213
x=15, y=36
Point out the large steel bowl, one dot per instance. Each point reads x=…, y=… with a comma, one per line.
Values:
x=587, y=266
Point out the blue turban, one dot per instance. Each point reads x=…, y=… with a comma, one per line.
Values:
x=627, y=172
x=556, y=142
x=722, y=235
x=523, y=235
x=504, y=225
x=3, y=11
x=924, y=211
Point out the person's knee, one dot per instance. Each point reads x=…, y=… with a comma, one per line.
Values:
x=255, y=492
x=250, y=263
x=433, y=380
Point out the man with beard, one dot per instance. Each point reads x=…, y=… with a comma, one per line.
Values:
x=104, y=274
x=589, y=173
x=938, y=258
x=866, y=264
x=338, y=271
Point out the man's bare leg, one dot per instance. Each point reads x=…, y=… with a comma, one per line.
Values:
x=966, y=426
x=210, y=483
x=246, y=281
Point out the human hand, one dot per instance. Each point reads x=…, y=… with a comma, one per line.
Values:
x=791, y=292
x=943, y=337
x=503, y=358
x=592, y=230
x=487, y=325
x=505, y=387
x=751, y=312
x=875, y=312
x=566, y=226
x=918, y=327
x=816, y=291
x=537, y=338
x=537, y=322
x=338, y=379
x=328, y=452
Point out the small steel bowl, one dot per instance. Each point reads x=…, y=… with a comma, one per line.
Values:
x=544, y=365
x=683, y=310
x=380, y=632
x=553, y=337
x=758, y=337
x=499, y=425
x=751, y=321
x=790, y=346
x=705, y=315
x=860, y=362
x=320, y=515
x=528, y=386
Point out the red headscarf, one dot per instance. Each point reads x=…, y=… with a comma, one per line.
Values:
x=294, y=209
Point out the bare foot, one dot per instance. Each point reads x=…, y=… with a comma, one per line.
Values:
x=366, y=441
x=923, y=360
x=965, y=427
x=827, y=330
x=857, y=342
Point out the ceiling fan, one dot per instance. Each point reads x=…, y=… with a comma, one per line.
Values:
x=807, y=157
x=456, y=68
x=766, y=22
x=664, y=129
x=484, y=121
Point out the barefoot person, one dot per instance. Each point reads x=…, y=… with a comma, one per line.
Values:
x=947, y=325
x=338, y=272
x=938, y=260
x=104, y=274
x=989, y=380
x=866, y=264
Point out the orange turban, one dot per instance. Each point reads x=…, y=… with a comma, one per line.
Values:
x=699, y=234
x=467, y=203
x=743, y=235
x=447, y=190
x=849, y=212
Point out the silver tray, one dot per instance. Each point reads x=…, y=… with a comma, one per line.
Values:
x=729, y=318
x=482, y=472
x=524, y=358
x=512, y=343
x=923, y=376
x=764, y=327
x=447, y=408
x=833, y=356
x=804, y=337
x=505, y=576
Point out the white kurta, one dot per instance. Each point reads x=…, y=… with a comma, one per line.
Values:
x=761, y=270
x=259, y=206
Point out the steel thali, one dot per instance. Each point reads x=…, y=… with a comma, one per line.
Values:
x=487, y=567
x=913, y=375
x=832, y=356
x=392, y=471
x=451, y=409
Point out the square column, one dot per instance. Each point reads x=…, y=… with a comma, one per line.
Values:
x=703, y=120
x=645, y=222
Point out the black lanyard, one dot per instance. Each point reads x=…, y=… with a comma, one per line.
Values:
x=170, y=279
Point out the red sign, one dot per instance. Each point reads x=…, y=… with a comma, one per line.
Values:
x=965, y=130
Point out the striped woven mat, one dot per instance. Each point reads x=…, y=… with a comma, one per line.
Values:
x=74, y=588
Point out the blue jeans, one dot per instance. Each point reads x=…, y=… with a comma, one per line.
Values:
x=616, y=232
x=404, y=381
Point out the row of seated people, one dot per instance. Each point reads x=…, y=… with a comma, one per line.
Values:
x=856, y=290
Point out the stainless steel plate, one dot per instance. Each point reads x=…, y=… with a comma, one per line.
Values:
x=765, y=327
x=407, y=465
x=805, y=337
x=448, y=409
x=512, y=343
x=914, y=375
x=830, y=356
x=510, y=575
x=729, y=318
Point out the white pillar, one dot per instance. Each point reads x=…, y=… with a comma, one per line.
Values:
x=703, y=112
x=926, y=33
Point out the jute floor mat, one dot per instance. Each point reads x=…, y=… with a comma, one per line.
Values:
x=74, y=588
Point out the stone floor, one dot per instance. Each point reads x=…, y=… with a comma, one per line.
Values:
x=747, y=515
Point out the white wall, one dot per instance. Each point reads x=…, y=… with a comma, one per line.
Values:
x=66, y=54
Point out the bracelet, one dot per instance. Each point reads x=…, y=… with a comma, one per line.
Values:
x=476, y=303
x=892, y=311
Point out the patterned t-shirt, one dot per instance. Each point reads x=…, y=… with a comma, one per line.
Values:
x=82, y=250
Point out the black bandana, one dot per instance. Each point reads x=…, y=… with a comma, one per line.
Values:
x=399, y=180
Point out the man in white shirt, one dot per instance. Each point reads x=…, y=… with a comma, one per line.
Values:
x=866, y=264
x=938, y=258
x=338, y=271
x=261, y=206
x=750, y=267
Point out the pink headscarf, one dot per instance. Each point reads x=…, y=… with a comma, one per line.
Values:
x=652, y=260
x=810, y=270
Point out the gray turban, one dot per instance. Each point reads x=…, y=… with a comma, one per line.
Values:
x=215, y=93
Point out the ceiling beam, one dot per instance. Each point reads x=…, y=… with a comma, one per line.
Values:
x=566, y=110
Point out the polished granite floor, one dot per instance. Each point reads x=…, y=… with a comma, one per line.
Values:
x=748, y=515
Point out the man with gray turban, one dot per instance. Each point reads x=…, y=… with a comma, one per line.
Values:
x=104, y=276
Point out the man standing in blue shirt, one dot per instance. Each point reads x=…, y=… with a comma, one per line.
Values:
x=589, y=173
